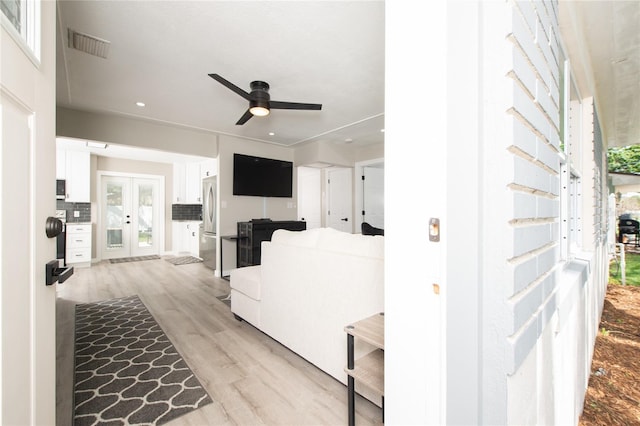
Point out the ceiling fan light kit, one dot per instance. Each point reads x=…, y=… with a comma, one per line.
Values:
x=260, y=102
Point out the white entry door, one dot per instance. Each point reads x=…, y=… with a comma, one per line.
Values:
x=27, y=176
x=339, y=196
x=130, y=216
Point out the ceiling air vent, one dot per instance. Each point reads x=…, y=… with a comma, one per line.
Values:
x=89, y=44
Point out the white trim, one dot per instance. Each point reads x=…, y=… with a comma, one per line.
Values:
x=358, y=190
x=35, y=279
x=31, y=51
x=1, y=251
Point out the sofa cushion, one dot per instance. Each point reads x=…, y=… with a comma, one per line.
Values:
x=333, y=240
x=247, y=281
x=308, y=238
x=354, y=244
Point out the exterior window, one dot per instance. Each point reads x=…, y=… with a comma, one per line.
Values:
x=570, y=173
x=574, y=217
x=21, y=19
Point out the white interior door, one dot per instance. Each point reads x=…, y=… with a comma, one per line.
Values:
x=373, y=196
x=339, y=196
x=130, y=220
x=310, y=196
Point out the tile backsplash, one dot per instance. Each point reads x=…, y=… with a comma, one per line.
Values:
x=186, y=212
x=84, y=210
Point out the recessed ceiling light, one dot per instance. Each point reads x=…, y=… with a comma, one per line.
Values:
x=348, y=140
x=381, y=130
x=271, y=134
x=140, y=104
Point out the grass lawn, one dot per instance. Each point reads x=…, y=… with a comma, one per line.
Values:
x=632, y=270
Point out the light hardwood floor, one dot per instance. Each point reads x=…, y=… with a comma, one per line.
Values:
x=252, y=379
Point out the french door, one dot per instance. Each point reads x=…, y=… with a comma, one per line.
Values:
x=130, y=224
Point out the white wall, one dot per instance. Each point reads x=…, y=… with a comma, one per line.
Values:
x=133, y=167
x=415, y=154
x=234, y=208
x=134, y=132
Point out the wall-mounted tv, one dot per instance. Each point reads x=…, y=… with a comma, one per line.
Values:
x=262, y=177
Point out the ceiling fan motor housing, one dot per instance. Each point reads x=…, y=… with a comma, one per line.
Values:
x=259, y=94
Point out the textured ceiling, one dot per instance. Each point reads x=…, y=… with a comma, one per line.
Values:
x=328, y=52
x=161, y=53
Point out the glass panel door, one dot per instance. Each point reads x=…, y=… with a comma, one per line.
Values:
x=145, y=220
x=130, y=216
x=116, y=217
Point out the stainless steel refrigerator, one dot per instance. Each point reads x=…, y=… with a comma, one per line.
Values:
x=208, y=227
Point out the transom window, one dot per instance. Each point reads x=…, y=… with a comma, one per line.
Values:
x=21, y=19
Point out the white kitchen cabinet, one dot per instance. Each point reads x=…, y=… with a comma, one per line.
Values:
x=61, y=164
x=179, y=185
x=208, y=168
x=187, y=183
x=179, y=235
x=193, y=235
x=78, y=244
x=185, y=237
x=193, y=190
x=77, y=176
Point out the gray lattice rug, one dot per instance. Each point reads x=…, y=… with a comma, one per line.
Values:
x=126, y=369
x=134, y=259
x=182, y=260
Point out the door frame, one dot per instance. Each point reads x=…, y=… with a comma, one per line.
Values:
x=99, y=240
x=358, y=191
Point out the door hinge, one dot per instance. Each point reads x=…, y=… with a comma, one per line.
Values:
x=362, y=212
x=362, y=177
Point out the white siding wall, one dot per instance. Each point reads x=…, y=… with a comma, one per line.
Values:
x=507, y=338
x=555, y=303
x=535, y=187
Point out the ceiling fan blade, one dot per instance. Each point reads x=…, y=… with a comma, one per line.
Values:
x=231, y=86
x=294, y=105
x=247, y=115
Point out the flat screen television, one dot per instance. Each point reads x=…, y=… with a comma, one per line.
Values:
x=262, y=177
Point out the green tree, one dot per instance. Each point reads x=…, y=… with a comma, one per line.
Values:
x=625, y=159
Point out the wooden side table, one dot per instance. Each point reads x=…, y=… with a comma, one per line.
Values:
x=369, y=370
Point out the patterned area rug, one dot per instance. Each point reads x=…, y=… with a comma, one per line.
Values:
x=126, y=369
x=134, y=259
x=183, y=260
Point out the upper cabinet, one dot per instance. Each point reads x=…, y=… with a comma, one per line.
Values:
x=187, y=180
x=75, y=168
x=208, y=168
x=187, y=183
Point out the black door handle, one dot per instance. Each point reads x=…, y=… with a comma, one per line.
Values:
x=53, y=227
x=346, y=219
x=54, y=273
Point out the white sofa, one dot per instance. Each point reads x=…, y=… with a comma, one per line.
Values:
x=310, y=285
